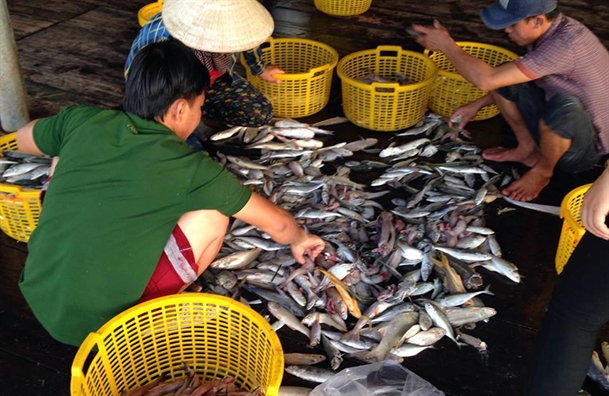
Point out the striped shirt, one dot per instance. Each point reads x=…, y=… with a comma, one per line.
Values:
x=154, y=31
x=570, y=59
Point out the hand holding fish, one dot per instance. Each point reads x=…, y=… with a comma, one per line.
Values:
x=270, y=74
x=434, y=38
x=595, y=207
x=281, y=226
x=308, y=244
x=464, y=114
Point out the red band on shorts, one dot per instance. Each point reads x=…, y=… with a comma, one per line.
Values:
x=175, y=269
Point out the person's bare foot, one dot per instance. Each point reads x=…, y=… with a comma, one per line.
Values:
x=502, y=154
x=528, y=186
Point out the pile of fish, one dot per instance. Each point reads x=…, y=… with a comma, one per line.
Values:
x=400, y=269
x=399, y=78
x=23, y=169
x=191, y=385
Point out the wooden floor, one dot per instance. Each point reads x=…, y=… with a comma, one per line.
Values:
x=72, y=52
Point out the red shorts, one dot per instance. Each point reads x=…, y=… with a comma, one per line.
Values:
x=176, y=268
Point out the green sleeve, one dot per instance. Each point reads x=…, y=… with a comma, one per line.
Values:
x=50, y=133
x=216, y=188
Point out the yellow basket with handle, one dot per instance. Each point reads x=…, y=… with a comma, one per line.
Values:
x=216, y=336
x=572, y=229
x=148, y=11
x=343, y=7
x=381, y=106
x=19, y=207
x=452, y=91
x=305, y=86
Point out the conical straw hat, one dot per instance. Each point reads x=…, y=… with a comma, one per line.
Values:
x=221, y=26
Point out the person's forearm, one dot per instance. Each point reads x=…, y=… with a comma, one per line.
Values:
x=271, y=219
x=484, y=101
x=471, y=68
x=286, y=231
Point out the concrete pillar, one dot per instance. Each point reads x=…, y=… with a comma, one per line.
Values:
x=13, y=97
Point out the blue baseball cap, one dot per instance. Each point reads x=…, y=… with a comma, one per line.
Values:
x=507, y=12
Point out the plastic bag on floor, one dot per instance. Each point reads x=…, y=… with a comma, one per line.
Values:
x=387, y=378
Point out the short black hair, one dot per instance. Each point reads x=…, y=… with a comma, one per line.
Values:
x=160, y=74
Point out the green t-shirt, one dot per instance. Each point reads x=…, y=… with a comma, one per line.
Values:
x=118, y=191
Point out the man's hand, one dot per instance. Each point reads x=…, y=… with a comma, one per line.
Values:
x=270, y=74
x=596, y=207
x=434, y=38
x=310, y=244
x=464, y=114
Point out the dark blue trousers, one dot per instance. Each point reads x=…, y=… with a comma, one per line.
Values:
x=578, y=309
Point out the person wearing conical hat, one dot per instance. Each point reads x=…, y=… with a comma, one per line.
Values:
x=217, y=30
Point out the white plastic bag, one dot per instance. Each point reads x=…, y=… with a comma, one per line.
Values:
x=387, y=378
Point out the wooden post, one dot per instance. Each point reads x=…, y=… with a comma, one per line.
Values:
x=13, y=97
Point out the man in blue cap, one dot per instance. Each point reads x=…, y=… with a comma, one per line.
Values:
x=553, y=98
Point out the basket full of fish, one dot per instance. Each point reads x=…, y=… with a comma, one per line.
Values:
x=21, y=179
x=387, y=88
x=408, y=256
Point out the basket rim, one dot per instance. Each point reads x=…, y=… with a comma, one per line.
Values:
x=19, y=191
x=298, y=76
x=183, y=297
x=459, y=77
x=8, y=137
x=151, y=6
x=148, y=11
x=397, y=86
x=565, y=213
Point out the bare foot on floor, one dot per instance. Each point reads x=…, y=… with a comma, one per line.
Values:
x=528, y=186
x=502, y=154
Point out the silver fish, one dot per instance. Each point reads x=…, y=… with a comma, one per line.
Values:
x=227, y=133
x=288, y=318
x=237, y=260
x=309, y=373
x=428, y=337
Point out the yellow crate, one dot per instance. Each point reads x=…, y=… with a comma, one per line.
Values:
x=305, y=86
x=386, y=106
x=215, y=335
x=451, y=90
x=572, y=230
x=343, y=7
x=148, y=11
x=19, y=207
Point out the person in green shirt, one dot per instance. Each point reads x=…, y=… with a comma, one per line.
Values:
x=132, y=212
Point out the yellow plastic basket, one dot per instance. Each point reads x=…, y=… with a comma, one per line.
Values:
x=148, y=11
x=343, y=7
x=19, y=207
x=305, y=86
x=451, y=90
x=572, y=230
x=386, y=106
x=215, y=335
